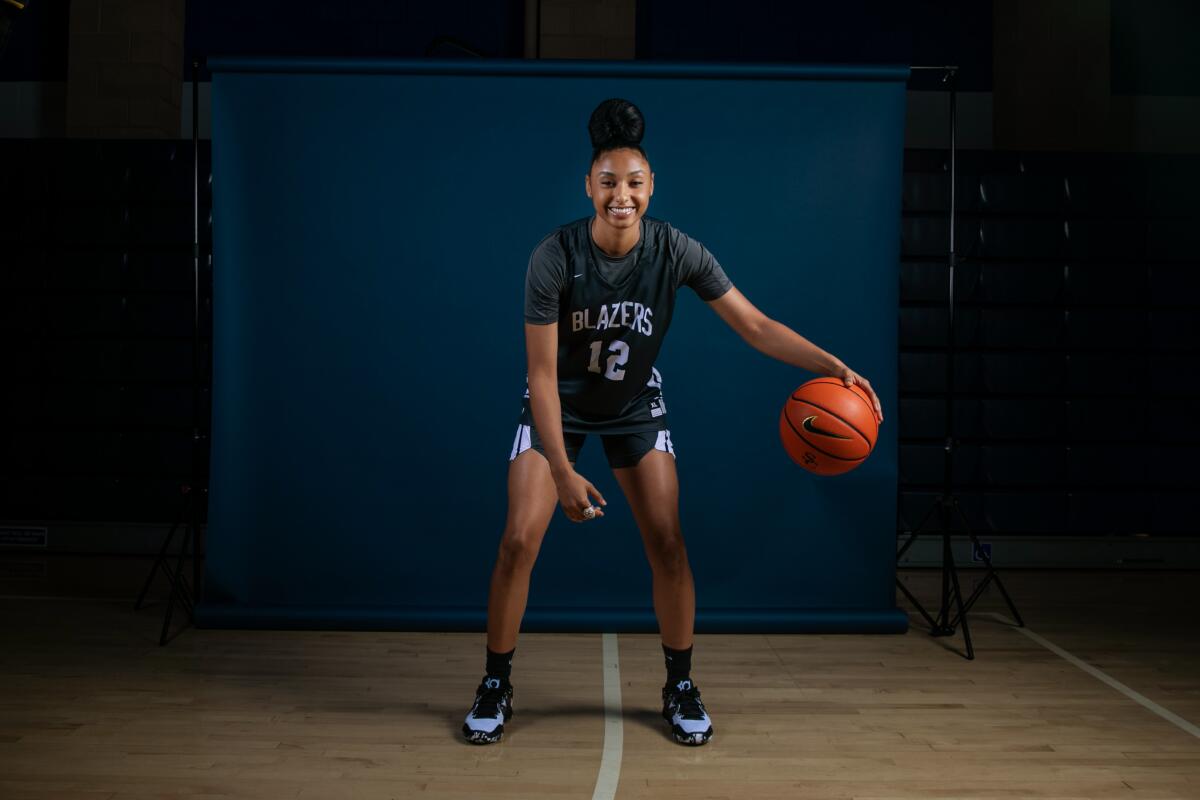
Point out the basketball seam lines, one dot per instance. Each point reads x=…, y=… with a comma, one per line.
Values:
x=866, y=438
x=814, y=447
x=841, y=382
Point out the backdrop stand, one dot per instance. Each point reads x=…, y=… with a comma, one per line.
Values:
x=946, y=506
x=195, y=492
x=181, y=591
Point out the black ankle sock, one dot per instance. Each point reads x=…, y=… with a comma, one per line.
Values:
x=499, y=665
x=679, y=664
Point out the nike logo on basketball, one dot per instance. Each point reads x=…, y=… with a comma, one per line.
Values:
x=811, y=428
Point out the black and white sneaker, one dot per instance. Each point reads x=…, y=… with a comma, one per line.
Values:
x=492, y=708
x=683, y=708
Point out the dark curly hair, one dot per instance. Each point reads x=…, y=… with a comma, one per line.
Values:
x=615, y=124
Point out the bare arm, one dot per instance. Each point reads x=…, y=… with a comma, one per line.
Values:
x=541, y=347
x=782, y=343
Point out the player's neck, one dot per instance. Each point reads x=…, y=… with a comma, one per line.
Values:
x=615, y=242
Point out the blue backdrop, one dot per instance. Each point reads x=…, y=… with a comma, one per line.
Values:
x=373, y=221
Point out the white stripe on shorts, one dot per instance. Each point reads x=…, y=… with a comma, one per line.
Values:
x=520, y=442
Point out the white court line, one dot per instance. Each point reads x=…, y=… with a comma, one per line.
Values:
x=610, y=762
x=1137, y=697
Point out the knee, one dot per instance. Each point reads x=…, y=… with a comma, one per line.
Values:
x=517, y=552
x=668, y=555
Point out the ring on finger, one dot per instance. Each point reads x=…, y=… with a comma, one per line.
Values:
x=589, y=512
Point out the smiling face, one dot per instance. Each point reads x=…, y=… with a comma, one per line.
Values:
x=620, y=185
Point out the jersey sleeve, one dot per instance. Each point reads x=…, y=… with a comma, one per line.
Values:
x=545, y=280
x=697, y=268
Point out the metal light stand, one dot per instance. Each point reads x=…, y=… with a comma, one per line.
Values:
x=195, y=492
x=946, y=506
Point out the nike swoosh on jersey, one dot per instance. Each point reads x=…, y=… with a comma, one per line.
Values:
x=811, y=428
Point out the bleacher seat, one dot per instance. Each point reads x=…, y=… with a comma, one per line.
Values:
x=1023, y=418
x=1098, y=464
x=1024, y=373
x=1098, y=513
x=1107, y=240
x=1030, y=512
x=1118, y=420
x=1096, y=375
x=1026, y=327
x=1022, y=193
x=1021, y=284
x=1024, y=464
x=1115, y=329
x=1175, y=285
x=1031, y=239
x=925, y=192
x=1106, y=283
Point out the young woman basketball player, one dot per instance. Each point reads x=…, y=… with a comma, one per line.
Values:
x=599, y=295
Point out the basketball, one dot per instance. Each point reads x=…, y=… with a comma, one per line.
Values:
x=828, y=428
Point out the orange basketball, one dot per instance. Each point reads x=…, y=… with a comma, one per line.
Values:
x=828, y=428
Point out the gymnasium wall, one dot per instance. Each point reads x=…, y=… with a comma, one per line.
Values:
x=96, y=286
x=368, y=349
x=1106, y=76
x=1077, y=355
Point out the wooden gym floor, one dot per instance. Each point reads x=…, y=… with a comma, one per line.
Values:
x=91, y=707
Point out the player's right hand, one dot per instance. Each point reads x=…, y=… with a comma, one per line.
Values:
x=573, y=495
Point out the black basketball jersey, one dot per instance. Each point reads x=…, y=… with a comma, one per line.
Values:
x=609, y=334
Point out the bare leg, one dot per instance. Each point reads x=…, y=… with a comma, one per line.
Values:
x=532, y=499
x=652, y=489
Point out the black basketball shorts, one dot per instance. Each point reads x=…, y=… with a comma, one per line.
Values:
x=621, y=449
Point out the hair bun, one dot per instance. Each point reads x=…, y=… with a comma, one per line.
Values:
x=616, y=123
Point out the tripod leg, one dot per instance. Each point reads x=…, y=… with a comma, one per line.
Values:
x=177, y=588
x=158, y=564
x=965, y=608
x=943, y=627
x=912, y=537
x=162, y=557
x=950, y=581
x=974, y=596
x=185, y=597
x=992, y=575
x=915, y=532
x=950, y=577
x=1016, y=614
x=920, y=608
x=962, y=616
x=192, y=535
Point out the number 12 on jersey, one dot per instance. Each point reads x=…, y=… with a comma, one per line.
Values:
x=616, y=361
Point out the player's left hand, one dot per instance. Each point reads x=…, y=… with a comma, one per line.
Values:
x=851, y=377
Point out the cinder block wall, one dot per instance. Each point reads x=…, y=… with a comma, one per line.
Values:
x=124, y=70
x=588, y=29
